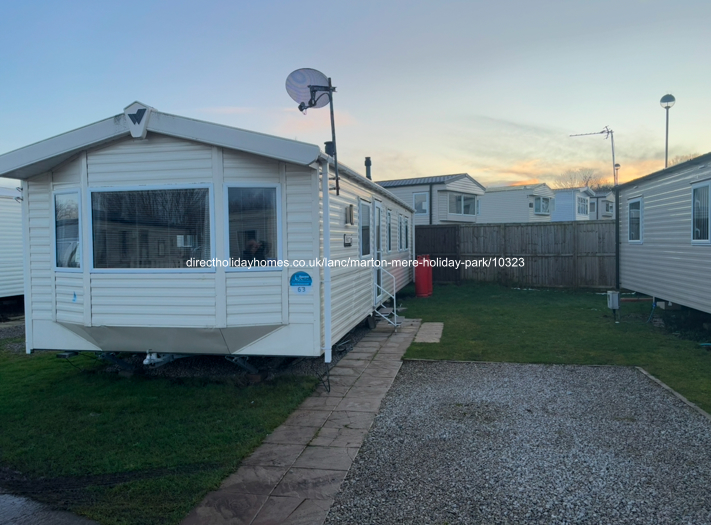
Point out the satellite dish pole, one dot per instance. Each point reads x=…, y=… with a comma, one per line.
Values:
x=608, y=133
x=304, y=86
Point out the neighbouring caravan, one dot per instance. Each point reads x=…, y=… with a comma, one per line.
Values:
x=444, y=199
x=664, y=227
x=529, y=203
x=130, y=221
x=572, y=204
x=11, y=283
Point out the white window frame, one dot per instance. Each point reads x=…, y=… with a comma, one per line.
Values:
x=590, y=207
x=399, y=232
x=389, y=226
x=706, y=183
x=157, y=187
x=56, y=268
x=540, y=207
x=407, y=234
x=641, y=220
x=369, y=255
x=585, y=201
x=460, y=199
x=427, y=202
x=226, y=219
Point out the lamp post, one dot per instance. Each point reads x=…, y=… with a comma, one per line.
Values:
x=666, y=102
x=617, y=168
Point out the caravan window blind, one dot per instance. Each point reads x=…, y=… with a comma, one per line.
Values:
x=162, y=228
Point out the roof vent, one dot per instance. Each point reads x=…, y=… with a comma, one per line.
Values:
x=368, y=164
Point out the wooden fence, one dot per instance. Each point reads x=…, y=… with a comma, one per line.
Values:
x=557, y=254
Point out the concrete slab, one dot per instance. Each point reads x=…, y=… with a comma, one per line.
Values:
x=429, y=333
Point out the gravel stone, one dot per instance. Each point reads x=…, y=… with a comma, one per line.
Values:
x=461, y=443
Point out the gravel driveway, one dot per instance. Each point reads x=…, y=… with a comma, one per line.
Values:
x=508, y=443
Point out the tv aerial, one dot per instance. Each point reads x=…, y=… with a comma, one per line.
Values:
x=611, y=134
x=312, y=89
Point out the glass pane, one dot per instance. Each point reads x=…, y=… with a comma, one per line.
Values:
x=592, y=207
x=469, y=204
x=420, y=201
x=700, y=212
x=364, y=229
x=252, y=216
x=545, y=205
x=635, y=209
x=390, y=231
x=150, y=228
x=537, y=208
x=67, y=231
x=454, y=203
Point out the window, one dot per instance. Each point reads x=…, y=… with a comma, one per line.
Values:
x=406, y=244
x=542, y=206
x=592, y=206
x=421, y=203
x=67, y=231
x=400, y=237
x=634, y=222
x=389, y=226
x=460, y=204
x=157, y=228
x=609, y=206
x=700, y=216
x=253, y=224
x=364, y=219
x=582, y=206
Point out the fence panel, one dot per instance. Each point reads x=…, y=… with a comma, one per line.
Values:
x=559, y=254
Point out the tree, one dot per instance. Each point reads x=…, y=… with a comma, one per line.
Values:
x=580, y=177
x=682, y=158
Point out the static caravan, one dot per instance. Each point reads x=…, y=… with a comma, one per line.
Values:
x=529, y=203
x=602, y=206
x=150, y=232
x=664, y=225
x=11, y=263
x=444, y=199
x=572, y=204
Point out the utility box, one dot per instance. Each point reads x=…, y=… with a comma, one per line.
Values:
x=613, y=300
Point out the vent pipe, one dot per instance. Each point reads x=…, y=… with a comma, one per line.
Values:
x=368, y=164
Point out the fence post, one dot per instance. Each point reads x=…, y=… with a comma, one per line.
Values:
x=576, y=252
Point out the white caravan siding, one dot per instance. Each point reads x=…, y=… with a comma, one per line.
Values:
x=352, y=288
x=405, y=194
x=11, y=260
x=666, y=265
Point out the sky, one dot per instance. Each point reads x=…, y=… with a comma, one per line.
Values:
x=493, y=89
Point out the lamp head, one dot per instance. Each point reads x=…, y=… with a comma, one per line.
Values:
x=667, y=101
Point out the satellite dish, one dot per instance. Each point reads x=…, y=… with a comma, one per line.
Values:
x=297, y=85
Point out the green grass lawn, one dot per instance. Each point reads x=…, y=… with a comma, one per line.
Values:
x=130, y=450
x=492, y=323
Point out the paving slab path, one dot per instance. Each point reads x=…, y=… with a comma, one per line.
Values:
x=16, y=510
x=294, y=475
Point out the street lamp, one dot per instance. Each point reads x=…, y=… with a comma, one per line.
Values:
x=666, y=102
x=617, y=168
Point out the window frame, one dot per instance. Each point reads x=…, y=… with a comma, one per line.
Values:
x=226, y=207
x=56, y=268
x=427, y=202
x=641, y=220
x=586, y=202
x=362, y=202
x=152, y=187
x=540, y=200
x=695, y=186
x=399, y=232
x=460, y=199
x=389, y=226
x=407, y=234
